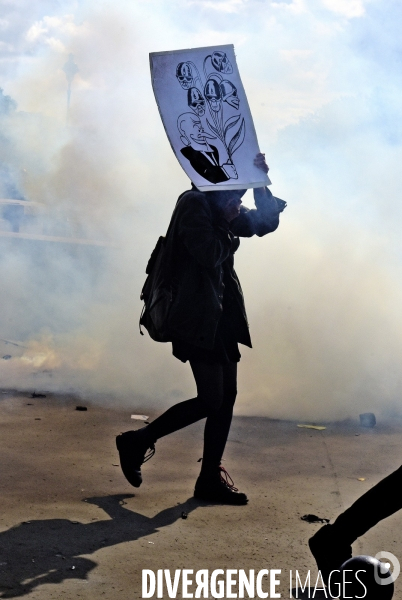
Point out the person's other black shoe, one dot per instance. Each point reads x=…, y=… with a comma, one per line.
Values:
x=133, y=447
x=329, y=550
x=218, y=487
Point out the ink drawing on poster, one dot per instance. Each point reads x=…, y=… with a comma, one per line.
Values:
x=206, y=116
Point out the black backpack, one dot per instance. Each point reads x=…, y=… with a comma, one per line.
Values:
x=157, y=294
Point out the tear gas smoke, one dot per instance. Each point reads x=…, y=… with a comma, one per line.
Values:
x=323, y=292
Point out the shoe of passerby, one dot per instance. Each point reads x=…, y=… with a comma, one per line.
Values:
x=329, y=550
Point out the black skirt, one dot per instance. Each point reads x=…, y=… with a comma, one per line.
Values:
x=225, y=350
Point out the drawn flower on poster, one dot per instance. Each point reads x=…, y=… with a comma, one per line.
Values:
x=219, y=96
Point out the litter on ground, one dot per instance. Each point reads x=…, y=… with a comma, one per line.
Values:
x=313, y=519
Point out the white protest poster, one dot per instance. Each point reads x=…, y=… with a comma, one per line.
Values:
x=206, y=116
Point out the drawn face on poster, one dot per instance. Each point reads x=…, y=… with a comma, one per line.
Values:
x=196, y=101
x=206, y=116
x=184, y=75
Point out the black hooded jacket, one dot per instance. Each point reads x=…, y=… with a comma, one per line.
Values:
x=200, y=244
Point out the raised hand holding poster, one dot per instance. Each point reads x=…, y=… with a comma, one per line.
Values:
x=206, y=116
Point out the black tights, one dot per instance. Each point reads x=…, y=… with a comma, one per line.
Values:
x=216, y=395
x=381, y=501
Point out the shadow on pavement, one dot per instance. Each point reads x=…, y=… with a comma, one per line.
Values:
x=50, y=550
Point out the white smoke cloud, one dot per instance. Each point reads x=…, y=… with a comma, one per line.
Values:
x=347, y=8
x=322, y=292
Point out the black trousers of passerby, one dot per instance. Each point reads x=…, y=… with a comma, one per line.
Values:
x=383, y=500
x=216, y=395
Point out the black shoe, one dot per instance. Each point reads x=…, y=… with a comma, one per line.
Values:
x=218, y=487
x=133, y=447
x=329, y=551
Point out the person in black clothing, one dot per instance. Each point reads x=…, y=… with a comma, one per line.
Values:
x=331, y=546
x=207, y=320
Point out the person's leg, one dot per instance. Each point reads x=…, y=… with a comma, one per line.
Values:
x=210, y=390
x=133, y=445
x=218, y=422
x=381, y=501
x=214, y=484
x=331, y=545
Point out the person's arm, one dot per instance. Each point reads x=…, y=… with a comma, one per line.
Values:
x=208, y=243
x=262, y=219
